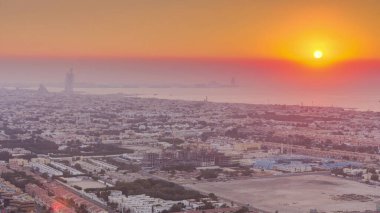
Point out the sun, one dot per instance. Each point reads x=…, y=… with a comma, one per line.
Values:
x=318, y=54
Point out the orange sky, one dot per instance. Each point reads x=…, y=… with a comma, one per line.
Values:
x=288, y=29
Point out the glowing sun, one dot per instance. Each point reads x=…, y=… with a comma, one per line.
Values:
x=318, y=54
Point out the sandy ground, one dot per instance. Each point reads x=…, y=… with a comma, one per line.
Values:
x=296, y=194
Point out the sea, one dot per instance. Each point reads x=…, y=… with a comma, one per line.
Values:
x=355, y=101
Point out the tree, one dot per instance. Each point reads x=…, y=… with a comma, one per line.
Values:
x=375, y=177
x=360, y=174
x=158, y=189
x=207, y=205
x=176, y=208
x=372, y=170
x=66, y=173
x=233, y=133
x=242, y=210
x=78, y=187
x=71, y=202
x=103, y=195
x=224, y=206
x=45, y=175
x=82, y=209
x=113, y=205
x=78, y=166
x=5, y=156
x=338, y=171
x=210, y=173
x=212, y=196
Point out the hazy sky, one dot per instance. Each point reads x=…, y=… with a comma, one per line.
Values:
x=190, y=28
x=255, y=41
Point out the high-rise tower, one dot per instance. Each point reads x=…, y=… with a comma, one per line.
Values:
x=69, y=82
x=233, y=82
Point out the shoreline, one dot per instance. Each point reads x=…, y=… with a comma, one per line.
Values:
x=212, y=95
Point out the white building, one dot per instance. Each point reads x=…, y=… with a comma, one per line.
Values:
x=140, y=203
x=16, y=151
x=354, y=172
x=293, y=167
x=63, y=167
x=103, y=165
x=88, y=166
x=40, y=160
x=42, y=168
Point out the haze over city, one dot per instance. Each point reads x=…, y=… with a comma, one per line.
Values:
x=261, y=42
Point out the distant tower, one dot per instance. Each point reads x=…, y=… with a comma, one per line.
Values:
x=206, y=99
x=42, y=90
x=282, y=148
x=69, y=82
x=233, y=82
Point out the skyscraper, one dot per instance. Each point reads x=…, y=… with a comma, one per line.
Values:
x=69, y=82
x=233, y=82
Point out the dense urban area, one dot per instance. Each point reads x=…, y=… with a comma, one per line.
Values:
x=71, y=152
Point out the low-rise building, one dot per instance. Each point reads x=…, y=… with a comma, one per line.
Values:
x=42, y=197
x=64, y=168
x=42, y=168
x=18, y=162
x=103, y=165
x=89, y=167
x=140, y=203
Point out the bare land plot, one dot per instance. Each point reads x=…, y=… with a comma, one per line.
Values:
x=296, y=194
